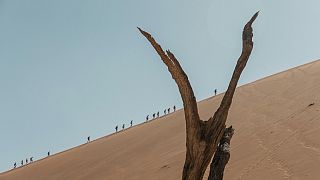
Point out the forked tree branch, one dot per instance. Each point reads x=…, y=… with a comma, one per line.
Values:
x=180, y=77
x=203, y=136
x=247, y=45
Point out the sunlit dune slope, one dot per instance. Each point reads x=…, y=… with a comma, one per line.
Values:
x=277, y=136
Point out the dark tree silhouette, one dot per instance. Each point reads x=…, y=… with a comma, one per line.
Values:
x=203, y=137
x=221, y=156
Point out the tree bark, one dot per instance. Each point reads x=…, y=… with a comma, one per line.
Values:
x=202, y=137
x=221, y=156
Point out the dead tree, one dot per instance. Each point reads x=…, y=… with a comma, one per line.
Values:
x=203, y=137
x=221, y=156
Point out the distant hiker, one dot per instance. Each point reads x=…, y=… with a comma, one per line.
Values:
x=116, y=128
x=131, y=123
x=15, y=165
x=174, y=108
x=311, y=104
x=88, y=138
x=154, y=115
x=158, y=114
x=122, y=126
x=215, y=92
x=168, y=110
x=48, y=153
x=27, y=161
x=31, y=159
x=22, y=163
x=147, y=118
x=165, y=111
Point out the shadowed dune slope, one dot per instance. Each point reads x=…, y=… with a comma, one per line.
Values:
x=277, y=135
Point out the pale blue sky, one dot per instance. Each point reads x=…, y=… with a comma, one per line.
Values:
x=74, y=68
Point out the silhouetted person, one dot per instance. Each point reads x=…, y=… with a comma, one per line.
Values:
x=15, y=165
x=122, y=126
x=131, y=123
x=147, y=118
x=158, y=114
x=27, y=161
x=31, y=159
x=116, y=128
x=174, y=108
x=165, y=112
x=154, y=115
x=88, y=138
x=48, y=153
x=22, y=163
x=168, y=110
x=215, y=92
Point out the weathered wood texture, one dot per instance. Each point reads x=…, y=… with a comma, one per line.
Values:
x=221, y=156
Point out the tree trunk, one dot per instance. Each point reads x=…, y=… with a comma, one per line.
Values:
x=202, y=137
x=222, y=155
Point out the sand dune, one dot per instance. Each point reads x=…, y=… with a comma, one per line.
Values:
x=277, y=137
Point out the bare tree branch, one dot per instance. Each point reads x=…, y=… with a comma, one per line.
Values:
x=247, y=46
x=181, y=78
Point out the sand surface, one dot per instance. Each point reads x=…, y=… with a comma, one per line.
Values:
x=277, y=136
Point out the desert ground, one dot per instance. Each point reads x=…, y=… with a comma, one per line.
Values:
x=277, y=132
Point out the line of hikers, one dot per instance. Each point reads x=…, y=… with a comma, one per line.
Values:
x=123, y=126
x=26, y=162
x=48, y=154
x=156, y=115
x=30, y=160
x=167, y=111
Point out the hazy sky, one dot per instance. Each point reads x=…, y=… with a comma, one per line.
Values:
x=74, y=68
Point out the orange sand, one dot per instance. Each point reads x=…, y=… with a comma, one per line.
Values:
x=276, y=137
